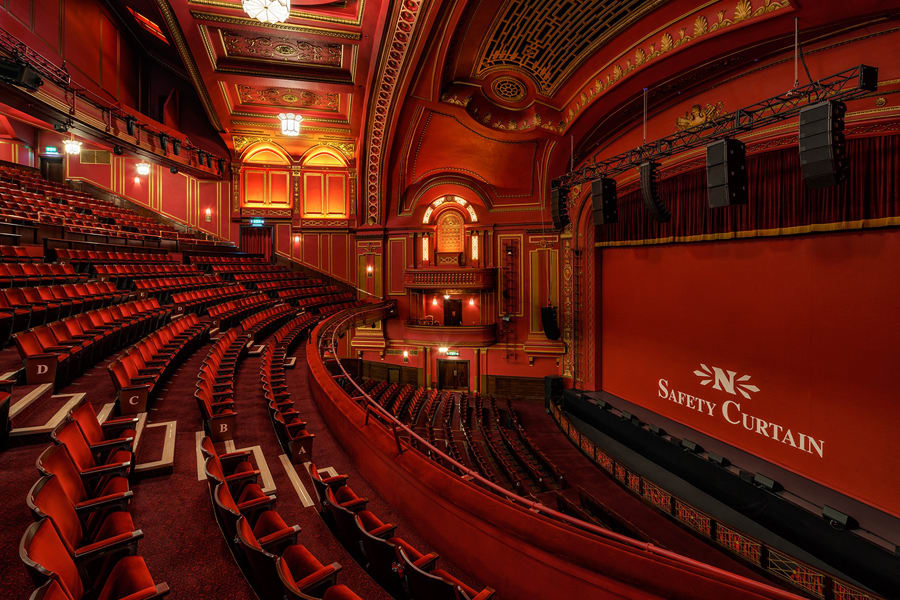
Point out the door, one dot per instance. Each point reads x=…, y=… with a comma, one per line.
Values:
x=453, y=374
x=52, y=168
x=453, y=312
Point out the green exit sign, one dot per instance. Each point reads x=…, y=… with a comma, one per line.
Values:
x=51, y=150
x=452, y=353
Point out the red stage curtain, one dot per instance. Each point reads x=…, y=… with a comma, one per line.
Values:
x=779, y=202
x=257, y=240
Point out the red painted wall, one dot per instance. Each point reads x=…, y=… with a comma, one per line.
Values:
x=807, y=325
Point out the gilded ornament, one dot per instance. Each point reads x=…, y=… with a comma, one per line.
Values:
x=701, y=26
x=666, y=43
x=639, y=57
x=743, y=10
x=698, y=115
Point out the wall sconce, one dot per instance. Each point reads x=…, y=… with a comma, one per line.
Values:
x=143, y=168
x=208, y=213
x=406, y=356
x=296, y=239
x=434, y=301
x=446, y=296
x=443, y=349
x=369, y=270
x=137, y=180
x=471, y=301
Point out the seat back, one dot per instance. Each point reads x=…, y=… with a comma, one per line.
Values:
x=227, y=512
x=423, y=585
x=70, y=436
x=48, y=499
x=263, y=573
x=55, y=460
x=84, y=415
x=50, y=591
x=45, y=556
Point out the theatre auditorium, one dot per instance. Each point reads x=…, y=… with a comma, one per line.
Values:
x=450, y=299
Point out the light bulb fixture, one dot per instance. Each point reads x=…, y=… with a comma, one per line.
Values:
x=443, y=349
x=471, y=301
x=137, y=180
x=290, y=123
x=72, y=146
x=406, y=354
x=370, y=269
x=296, y=239
x=143, y=168
x=434, y=301
x=208, y=213
x=268, y=11
x=446, y=296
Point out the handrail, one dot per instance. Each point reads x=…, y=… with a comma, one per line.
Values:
x=340, y=322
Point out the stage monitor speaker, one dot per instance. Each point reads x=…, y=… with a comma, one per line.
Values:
x=548, y=320
x=823, y=149
x=559, y=205
x=837, y=519
x=606, y=205
x=553, y=388
x=726, y=173
x=652, y=203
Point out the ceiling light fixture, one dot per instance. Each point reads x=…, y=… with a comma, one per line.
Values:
x=268, y=11
x=143, y=168
x=290, y=123
x=72, y=146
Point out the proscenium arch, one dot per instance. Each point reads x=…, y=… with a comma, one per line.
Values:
x=443, y=203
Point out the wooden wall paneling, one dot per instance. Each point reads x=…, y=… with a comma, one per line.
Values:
x=313, y=188
x=396, y=259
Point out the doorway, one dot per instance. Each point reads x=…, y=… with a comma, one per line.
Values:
x=453, y=374
x=453, y=312
x=52, y=168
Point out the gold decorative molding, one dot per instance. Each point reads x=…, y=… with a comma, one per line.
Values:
x=698, y=115
x=295, y=13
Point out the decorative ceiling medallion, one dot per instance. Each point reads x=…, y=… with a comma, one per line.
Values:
x=508, y=89
x=283, y=49
x=293, y=97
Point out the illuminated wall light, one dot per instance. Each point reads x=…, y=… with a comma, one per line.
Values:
x=268, y=11
x=425, y=249
x=474, y=247
x=290, y=123
x=296, y=239
x=369, y=270
x=446, y=296
x=208, y=213
x=406, y=354
x=137, y=179
x=471, y=301
x=143, y=168
x=434, y=301
x=443, y=349
x=72, y=146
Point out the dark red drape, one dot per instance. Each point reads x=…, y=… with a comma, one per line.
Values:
x=778, y=198
x=257, y=240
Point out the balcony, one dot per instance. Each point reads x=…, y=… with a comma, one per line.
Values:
x=450, y=279
x=446, y=335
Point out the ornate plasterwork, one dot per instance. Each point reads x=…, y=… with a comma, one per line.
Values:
x=698, y=115
x=291, y=27
x=288, y=97
x=292, y=50
x=393, y=58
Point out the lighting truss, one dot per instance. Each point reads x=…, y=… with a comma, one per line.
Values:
x=846, y=85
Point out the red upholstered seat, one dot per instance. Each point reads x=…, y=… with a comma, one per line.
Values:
x=84, y=455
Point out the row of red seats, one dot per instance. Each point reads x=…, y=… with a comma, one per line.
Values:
x=228, y=313
x=306, y=292
x=215, y=384
x=285, y=284
x=22, y=253
x=259, y=325
x=16, y=274
x=105, y=256
x=200, y=300
x=175, y=284
x=225, y=260
x=138, y=373
x=290, y=429
x=253, y=277
x=83, y=544
x=64, y=349
x=266, y=547
x=24, y=307
x=126, y=273
x=246, y=269
x=392, y=561
x=319, y=301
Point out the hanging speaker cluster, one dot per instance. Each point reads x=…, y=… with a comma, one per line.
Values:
x=726, y=173
x=550, y=323
x=823, y=149
x=649, y=177
x=559, y=205
x=605, y=201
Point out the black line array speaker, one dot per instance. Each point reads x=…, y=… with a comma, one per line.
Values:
x=652, y=202
x=726, y=173
x=823, y=149
x=548, y=320
x=606, y=205
x=559, y=205
x=20, y=74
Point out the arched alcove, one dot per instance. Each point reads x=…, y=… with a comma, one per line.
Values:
x=266, y=176
x=326, y=184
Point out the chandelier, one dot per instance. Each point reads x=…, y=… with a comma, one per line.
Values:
x=290, y=123
x=143, y=168
x=268, y=11
x=72, y=146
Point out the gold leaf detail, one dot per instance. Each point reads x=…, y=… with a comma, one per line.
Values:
x=701, y=26
x=666, y=43
x=639, y=56
x=743, y=10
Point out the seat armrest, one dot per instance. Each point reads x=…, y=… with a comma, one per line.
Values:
x=120, y=422
x=427, y=561
x=485, y=594
x=355, y=505
x=104, y=547
x=278, y=541
x=122, y=442
x=118, y=501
